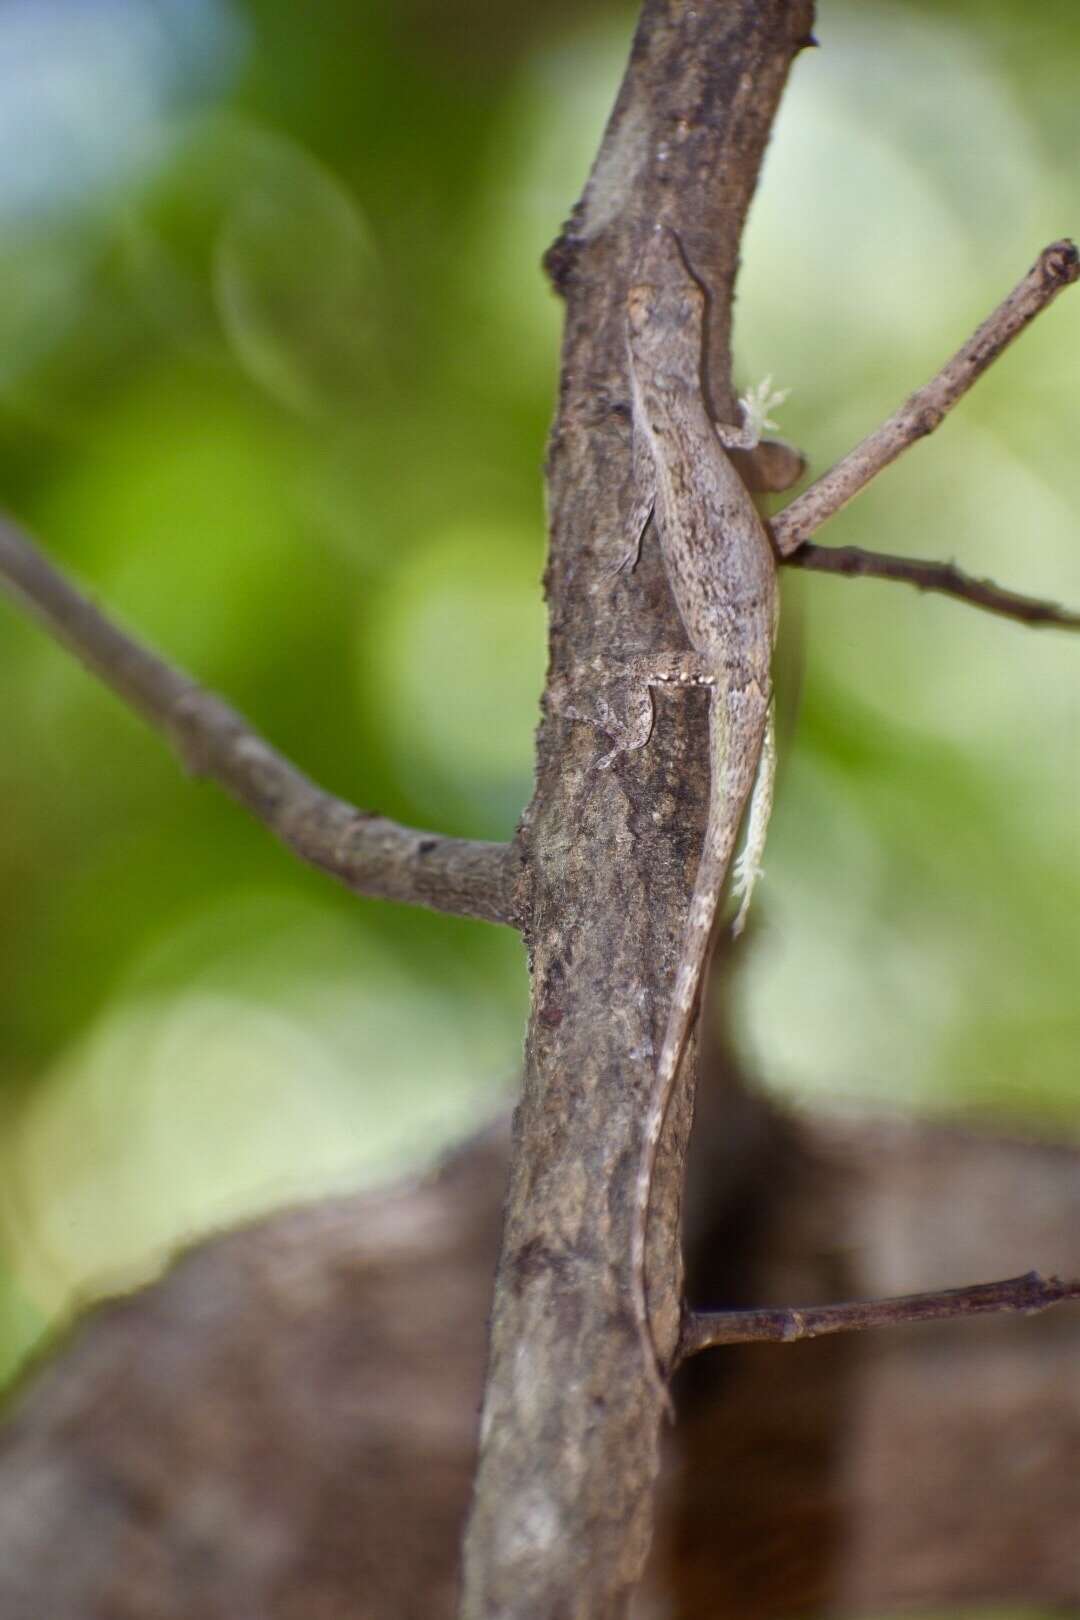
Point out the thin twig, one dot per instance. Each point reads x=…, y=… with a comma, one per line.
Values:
x=366, y=852
x=1056, y=268
x=1026, y=1294
x=934, y=576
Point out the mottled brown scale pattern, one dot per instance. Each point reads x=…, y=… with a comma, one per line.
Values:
x=722, y=574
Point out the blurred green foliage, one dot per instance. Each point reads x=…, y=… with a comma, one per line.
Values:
x=985, y=1614
x=276, y=367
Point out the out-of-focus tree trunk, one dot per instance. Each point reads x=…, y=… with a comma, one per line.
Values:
x=284, y=1426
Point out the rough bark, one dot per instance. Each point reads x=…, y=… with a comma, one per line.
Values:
x=562, y=1516
x=284, y=1427
x=287, y=1421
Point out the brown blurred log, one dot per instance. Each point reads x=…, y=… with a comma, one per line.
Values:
x=288, y=1417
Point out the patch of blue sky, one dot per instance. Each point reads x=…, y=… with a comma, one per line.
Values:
x=91, y=90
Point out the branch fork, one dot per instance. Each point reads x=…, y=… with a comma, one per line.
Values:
x=1056, y=268
x=377, y=857
x=556, y=1297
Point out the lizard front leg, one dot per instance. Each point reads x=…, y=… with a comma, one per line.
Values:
x=756, y=404
x=642, y=500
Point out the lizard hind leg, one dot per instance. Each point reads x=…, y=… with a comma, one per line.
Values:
x=642, y=675
x=628, y=721
x=748, y=867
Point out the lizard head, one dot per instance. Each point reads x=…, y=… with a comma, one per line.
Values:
x=665, y=311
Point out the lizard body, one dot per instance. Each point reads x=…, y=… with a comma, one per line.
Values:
x=722, y=573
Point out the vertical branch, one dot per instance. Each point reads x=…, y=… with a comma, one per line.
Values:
x=562, y=1515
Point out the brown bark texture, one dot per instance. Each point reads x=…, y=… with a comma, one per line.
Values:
x=284, y=1426
x=569, y=1453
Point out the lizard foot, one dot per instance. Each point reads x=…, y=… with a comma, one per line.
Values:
x=756, y=404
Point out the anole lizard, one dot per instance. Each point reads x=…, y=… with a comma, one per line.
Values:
x=722, y=572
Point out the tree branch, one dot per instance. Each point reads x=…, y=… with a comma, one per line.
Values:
x=366, y=852
x=1056, y=268
x=934, y=576
x=569, y=1450
x=1028, y=1294
x=797, y=1480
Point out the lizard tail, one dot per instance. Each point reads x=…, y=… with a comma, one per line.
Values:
x=733, y=779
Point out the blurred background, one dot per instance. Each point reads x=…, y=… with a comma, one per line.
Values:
x=276, y=367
